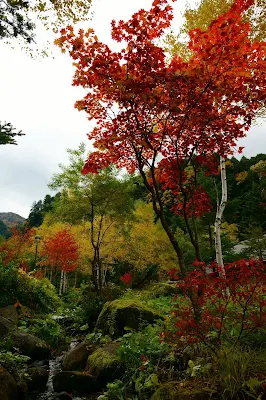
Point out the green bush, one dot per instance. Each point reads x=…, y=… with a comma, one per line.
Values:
x=46, y=329
x=14, y=363
x=238, y=370
x=16, y=285
x=92, y=304
x=146, y=342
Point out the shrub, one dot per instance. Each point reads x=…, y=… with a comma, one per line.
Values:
x=46, y=329
x=231, y=308
x=17, y=285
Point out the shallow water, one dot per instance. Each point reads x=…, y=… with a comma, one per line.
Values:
x=54, y=367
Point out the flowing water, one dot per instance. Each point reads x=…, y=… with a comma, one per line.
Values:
x=54, y=367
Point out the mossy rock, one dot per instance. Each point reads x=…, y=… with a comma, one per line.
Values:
x=104, y=364
x=182, y=390
x=163, y=289
x=121, y=313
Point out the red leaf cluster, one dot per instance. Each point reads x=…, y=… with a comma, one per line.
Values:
x=60, y=251
x=126, y=278
x=147, y=107
x=231, y=307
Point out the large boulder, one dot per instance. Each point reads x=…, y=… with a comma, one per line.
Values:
x=6, y=327
x=121, y=313
x=182, y=390
x=71, y=381
x=8, y=386
x=76, y=358
x=38, y=379
x=10, y=313
x=31, y=346
x=104, y=364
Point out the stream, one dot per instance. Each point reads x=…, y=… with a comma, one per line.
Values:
x=54, y=367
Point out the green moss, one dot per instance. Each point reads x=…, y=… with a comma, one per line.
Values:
x=100, y=360
x=185, y=390
x=121, y=313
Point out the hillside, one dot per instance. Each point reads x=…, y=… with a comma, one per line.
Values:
x=11, y=219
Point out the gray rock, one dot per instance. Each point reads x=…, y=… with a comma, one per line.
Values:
x=31, y=346
x=8, y=386
x=75, y=359
x=64, y=396
x=6, y=327
x=10, y=313
x=74, y=381
x=38, y=379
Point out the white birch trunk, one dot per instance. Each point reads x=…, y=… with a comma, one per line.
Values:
x=65, y=282
x=218, y=219
x=61, y=282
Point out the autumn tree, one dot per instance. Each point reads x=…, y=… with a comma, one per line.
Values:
x=151, y=110
x=60, y=253
x=18, y=246
x=103, y=200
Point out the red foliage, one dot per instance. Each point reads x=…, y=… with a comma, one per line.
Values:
x=14, y=247
x=60, y=251
x=126, y=278
x=145, y=106
x=233, y=307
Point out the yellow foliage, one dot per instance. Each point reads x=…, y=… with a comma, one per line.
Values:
x=146, y=242
x=241, y=177
x=230, y=230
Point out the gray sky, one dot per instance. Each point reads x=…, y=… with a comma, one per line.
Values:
x=36, y=96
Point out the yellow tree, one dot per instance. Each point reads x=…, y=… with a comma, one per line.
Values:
x=145, y=242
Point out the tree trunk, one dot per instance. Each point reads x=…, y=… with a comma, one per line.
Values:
x=61, y=282
x=218, y=219
x=65, y=282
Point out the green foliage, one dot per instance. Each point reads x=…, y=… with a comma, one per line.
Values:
x=237, y=369
x=12, y=361
x=46, y=329
x=38, y=295
x=144, y=276
x=140, y=352
x=147, y=342
x=39, y=209
x=3, y=230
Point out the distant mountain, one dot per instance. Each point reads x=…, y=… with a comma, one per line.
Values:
x=11, y=219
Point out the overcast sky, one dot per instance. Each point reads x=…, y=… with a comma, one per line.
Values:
x=36, y=96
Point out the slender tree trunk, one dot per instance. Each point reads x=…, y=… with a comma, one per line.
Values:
x=65, y=282
x=61, y=282
x=210, y=237
x=51, y=274
x=218, y=219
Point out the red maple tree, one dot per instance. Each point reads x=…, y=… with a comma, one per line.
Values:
x=151, y=111
x=60, y=251
x=18, y=245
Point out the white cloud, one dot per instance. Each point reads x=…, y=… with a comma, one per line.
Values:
x=37, y=97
